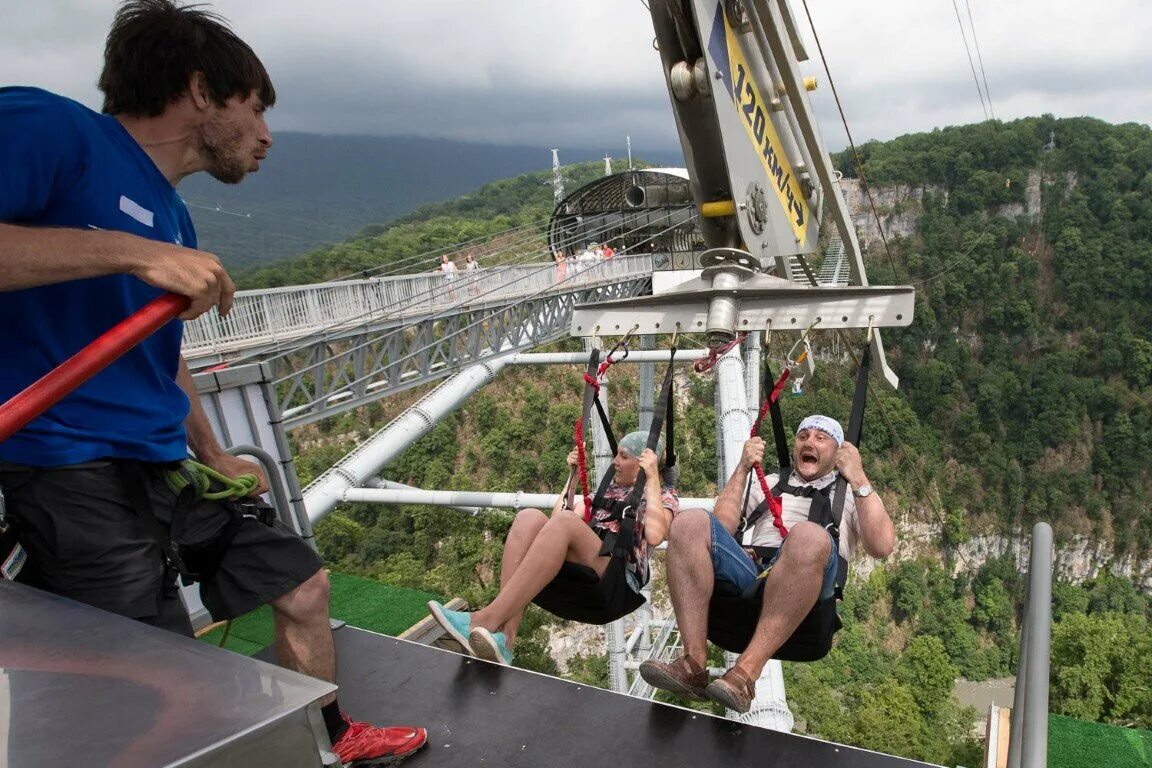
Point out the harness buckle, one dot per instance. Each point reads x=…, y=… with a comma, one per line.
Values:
x=261, y=513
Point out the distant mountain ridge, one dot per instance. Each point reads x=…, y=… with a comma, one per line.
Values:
x=316, y=190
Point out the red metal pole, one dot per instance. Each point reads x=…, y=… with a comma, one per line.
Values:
x=55, y=385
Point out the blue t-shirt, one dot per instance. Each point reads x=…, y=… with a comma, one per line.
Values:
x=64, y=165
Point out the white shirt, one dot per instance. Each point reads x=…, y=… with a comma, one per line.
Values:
x=795, y=510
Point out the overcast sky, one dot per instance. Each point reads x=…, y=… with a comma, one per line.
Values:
x=584, y=74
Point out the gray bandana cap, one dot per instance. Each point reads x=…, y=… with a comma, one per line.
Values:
x=636, y=442
x=825, y=424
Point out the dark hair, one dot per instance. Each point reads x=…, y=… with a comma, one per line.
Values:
x=154, y=48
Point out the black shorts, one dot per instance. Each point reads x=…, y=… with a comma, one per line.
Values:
x=87, y=541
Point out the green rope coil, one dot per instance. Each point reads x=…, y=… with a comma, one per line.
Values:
x=200, y=477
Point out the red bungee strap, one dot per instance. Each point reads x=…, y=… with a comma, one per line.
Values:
x=706, y=362
x=774, y=504
x=594, y=381
x=582, y=468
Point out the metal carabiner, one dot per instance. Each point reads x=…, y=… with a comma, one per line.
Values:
x=622, y=345
x=792, y=363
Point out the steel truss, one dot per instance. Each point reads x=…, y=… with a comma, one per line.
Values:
x=329, y=376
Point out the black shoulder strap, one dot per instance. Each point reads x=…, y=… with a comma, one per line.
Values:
x=621, y=545
x=855, y=428
x=585, y=417
x=592, y=368
x=783, y=456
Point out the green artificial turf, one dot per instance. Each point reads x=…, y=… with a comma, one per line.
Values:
x=1081, y=744
x=361, y=602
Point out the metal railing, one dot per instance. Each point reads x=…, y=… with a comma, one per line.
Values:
x=1028, y=737
x=283, y=314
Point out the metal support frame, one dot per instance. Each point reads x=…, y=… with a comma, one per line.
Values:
x=1028, y=737
x=759, y=302
x=241, y=407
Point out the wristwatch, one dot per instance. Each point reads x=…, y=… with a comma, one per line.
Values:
x=862, y=491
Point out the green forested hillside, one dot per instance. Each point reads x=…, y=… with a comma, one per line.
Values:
x=1025, y=396
x=1031, y=356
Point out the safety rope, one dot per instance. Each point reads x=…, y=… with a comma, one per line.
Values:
x=200, y=477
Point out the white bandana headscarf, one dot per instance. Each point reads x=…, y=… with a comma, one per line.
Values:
x=825, y=424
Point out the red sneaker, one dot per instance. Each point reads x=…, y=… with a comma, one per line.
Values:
x=365, y=745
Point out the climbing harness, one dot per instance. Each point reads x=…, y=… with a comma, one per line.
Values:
x=732, y=618
x=577, y=592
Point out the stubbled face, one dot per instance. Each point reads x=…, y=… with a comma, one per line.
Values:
x=814, y=454
x=627, y=467
x=235, y=139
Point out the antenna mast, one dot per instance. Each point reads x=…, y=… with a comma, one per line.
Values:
x=557, y=179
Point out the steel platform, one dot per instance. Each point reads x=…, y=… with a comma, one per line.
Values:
x=83, y=687
x=481, y=714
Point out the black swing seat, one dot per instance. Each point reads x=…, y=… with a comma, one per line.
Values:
x=732, y=619
x=578, y=594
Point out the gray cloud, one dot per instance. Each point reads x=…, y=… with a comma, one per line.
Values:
x=585, y=74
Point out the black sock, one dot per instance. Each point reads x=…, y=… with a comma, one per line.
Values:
x=334, y=721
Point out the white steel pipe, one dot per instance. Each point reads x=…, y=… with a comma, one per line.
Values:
x=581, y=358
x=380, y=482
x=374, y=454
x=482, y=499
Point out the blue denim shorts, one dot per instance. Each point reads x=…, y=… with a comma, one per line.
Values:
x=732, y=564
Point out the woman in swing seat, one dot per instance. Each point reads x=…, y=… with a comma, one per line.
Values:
x=538, y=546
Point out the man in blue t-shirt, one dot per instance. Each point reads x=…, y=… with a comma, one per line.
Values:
x=91, y=229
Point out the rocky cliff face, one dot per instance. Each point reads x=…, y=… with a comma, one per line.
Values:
x=1077, y=559
x=900, y=206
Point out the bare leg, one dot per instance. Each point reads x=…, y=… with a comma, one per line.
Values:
x=303, y=635
x=525, y=528
x=691, y=580
x=790, y=591
x=564, y=537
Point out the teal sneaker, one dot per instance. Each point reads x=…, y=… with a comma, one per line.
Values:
x=456, y=623
x=490, y=646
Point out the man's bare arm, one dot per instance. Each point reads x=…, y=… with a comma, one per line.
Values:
x=875, y=529
x=729, y=507
x=34, y=256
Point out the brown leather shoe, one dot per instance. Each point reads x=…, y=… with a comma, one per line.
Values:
x=683, y=677
x=735, y=690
